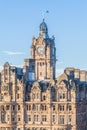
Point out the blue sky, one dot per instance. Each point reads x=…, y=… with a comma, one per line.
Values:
x=66, y=20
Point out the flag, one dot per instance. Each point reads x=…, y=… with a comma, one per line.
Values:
x=47, y=11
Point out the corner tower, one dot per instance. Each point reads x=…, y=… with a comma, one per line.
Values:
x=43, y=55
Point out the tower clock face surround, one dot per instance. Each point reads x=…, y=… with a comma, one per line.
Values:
x=41, y=50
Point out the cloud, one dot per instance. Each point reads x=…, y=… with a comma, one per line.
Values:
x=1, y=67
x=13, y=53
x=19, y=66
x=60, y=62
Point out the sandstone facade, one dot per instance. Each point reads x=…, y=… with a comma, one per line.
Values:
x=31, y=98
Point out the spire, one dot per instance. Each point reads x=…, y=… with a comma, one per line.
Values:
x=43, y=30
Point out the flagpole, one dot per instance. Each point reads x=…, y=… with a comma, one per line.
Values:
x=44, y=13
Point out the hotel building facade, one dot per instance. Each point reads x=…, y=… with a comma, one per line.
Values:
x=32, y=98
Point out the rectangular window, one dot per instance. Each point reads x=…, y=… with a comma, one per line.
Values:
x=29, y=117
x=61, y=107
x=18, y=96
x=54, y=108
x=69, y=107
x=3, y=117
x=13, y=107
x=53, y=118
x=19, y=119
x=29, y=107
x=69, y=118
x=18, y=107
x=36, y=118
x=13, y=117
x=61, y=119
x=44, y=118
x=7, y=107
x=43, y=107
x=35, y=107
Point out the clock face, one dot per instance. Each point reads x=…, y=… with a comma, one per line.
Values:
x=41, y=50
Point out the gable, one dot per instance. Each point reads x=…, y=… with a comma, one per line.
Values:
x=35, y=86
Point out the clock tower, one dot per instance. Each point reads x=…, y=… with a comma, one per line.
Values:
x=42, y=55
